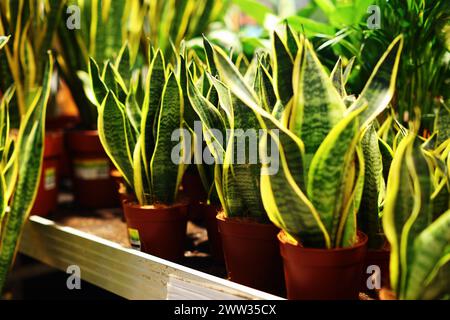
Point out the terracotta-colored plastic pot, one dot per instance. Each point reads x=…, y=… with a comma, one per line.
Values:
x=322, y=274
x=376, y=260
x=215, y=242
x=252, y=254
x=47, y=196
x=159, y=231
x=63, y=123
x=93, y=186
x=192, y=189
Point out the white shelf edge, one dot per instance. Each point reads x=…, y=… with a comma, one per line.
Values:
x=126, y=272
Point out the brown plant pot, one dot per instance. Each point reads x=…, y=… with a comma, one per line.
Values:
x=93, y=186
x=378, y=258
x=47, y=195
x=159, y=231
x=63, y=123
x=192, y=189
x=252, y=254
x=323, y=274
x=215, y=242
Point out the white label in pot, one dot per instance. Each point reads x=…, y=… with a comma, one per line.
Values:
x=92, y=169
x=50, y=179
x=135, y=240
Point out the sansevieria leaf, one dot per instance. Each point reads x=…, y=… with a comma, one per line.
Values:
x=369, y=220
x=30, y=150
x=285, y=203
x=380, y=88
x=283, y=66
x=112, y=130
x=431, y=256
x=165, y=170
x=398, y=207
x=328, y=170
x=152, y=101
x=293, y=146
x=317, y=106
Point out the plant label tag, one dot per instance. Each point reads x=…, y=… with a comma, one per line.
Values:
x=92, y=169
x=50, y=179
x=135, y=240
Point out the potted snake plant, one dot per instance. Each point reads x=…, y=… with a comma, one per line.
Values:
x=100, y=32
x=32, y=24
x=231, y=131
x=21, y=158
x=136, y=132
x=416, y=219
x=314, y=197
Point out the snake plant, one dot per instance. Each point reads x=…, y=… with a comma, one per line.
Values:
x=32, y=24
x=20, y=165
x=137, y=133
x=104, y=26
x=227, y=124
x=416, y=219
x=315, y=195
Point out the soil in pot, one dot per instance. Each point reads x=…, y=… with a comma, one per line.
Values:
x=157, y=230
x=252, y=254
x=215, y=242
x=93, y=186
x=47, y=195
x=323, y=274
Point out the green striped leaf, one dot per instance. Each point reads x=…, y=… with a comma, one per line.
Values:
x=292, y=41
x=380, y=88
x=317, y=106
x=431, y=255
x=209, y=53
x=283, y=65
x=165, y=174
x=369, y=216
x=398, y=207
x=112, y=130
x=99, y=88
x=442, y=124
x=154, y=86
x=337, y=76
x=293, y=146
x=286, y=204
x=30, y=150
x=265, y=89
x=327, y=173
x=408, y=209
x=347, y=232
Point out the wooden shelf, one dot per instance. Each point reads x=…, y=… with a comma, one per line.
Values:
x=123, y=271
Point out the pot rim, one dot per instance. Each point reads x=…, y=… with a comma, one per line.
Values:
x=362, y=241
x=136, y=205
x=78, y=132
x=221, y=217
